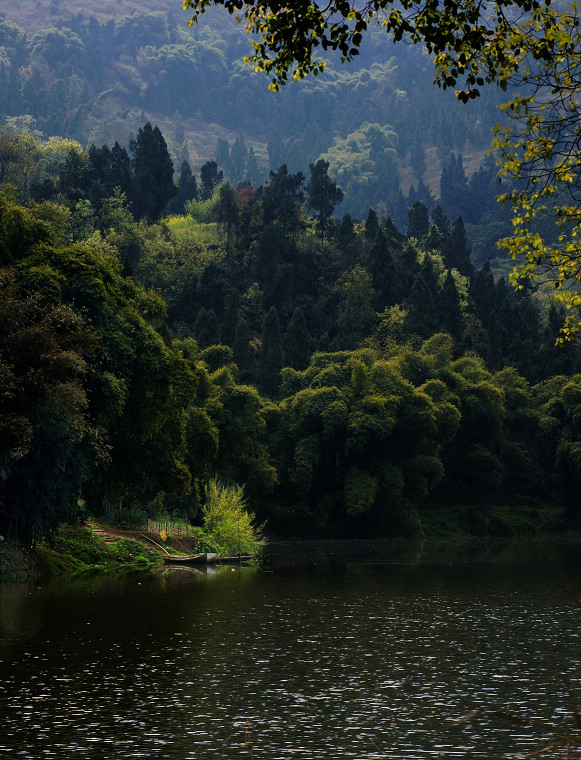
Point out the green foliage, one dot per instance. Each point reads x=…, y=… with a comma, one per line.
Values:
x=75, y=549
x=531, y=147
x=322, y=193
x=458, y=36
x=227, y=522
x=271, y=358
x=203, y=211
x=355, y=312
x=227, y=210
x=353, y=438
x=97, y=399
x=152, y=181
x=98, y=391
x=237, y=415
x=361, y=490
x=394, y=433
x=358, y=162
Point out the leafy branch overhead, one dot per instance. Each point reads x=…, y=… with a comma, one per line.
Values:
x=540, y=159
x=472, y=41
x=531, y=47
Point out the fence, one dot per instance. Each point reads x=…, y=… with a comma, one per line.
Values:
x=134, y=518
x=180, y=527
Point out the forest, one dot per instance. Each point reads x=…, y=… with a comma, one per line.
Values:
x=301, y=315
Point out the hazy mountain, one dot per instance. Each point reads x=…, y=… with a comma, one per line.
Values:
x=97, y=75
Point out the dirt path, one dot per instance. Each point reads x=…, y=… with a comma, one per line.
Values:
x=152, y=541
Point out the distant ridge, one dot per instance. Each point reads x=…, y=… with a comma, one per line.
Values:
x=32, y=16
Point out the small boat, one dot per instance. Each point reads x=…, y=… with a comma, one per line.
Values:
x=204, y=558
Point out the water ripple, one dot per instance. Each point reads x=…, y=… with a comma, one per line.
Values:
x=355, y=662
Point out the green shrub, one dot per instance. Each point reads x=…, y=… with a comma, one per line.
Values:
x=227, y=523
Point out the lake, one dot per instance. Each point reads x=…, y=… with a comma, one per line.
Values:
x=344, y=650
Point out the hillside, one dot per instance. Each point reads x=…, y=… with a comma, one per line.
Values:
x=109, y=70
x=290, y=292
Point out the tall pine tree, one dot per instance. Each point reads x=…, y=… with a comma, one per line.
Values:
x=322, y=194
x=271, y=359
x=152, y=182
x=297, y=342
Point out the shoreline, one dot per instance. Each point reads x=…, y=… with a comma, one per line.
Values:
x=83, y=549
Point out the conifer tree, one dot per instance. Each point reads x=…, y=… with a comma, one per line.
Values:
x=187, y=190
x=429, y=274
x=208, y=329
x=223, y=154
x=457, y=251
x=107, y=168
x=371, y=226
x=210, y=178
x=453, y=186
x=393, y=235
x=482, y=191
x=252, y=173
x=282, y=198
x=422, y=317
x=434, y=240
x=120, y=171
x=271, y=359
x=355, y=309
x=238, y=158
x=441, y=221
x=297, y=342
x=152, y=181
x=382, y=269
x=347, y=240
x=227, y=210
x=241, y=348
x=418, y=221
x=483, y=293
x=322, y=194
x=422, y=195
x=556, y=360
x=187, y=185
x=407, y=268
x=450, y=309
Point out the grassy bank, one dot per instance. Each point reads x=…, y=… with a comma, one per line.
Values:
x=75, y=549
x=228, y=529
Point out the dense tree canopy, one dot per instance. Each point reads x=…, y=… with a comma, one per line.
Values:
x=93, y=400
x=354, y=382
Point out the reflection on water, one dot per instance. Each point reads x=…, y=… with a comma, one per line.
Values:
x=355, y=651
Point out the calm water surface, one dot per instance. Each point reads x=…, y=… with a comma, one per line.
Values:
x=343, y=651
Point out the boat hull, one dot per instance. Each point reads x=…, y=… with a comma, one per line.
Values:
x=206, y=558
